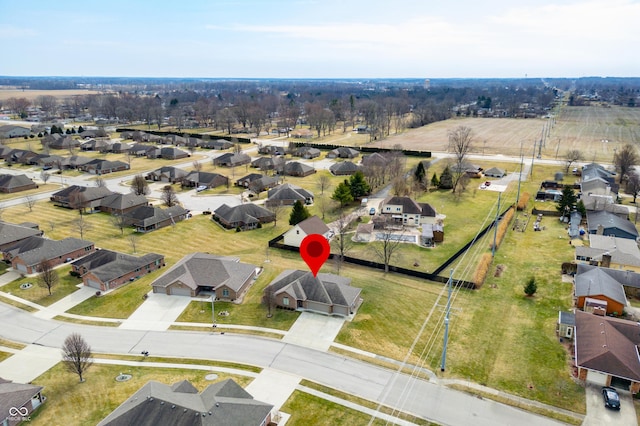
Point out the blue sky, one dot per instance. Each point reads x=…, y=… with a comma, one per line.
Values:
x=321, y=38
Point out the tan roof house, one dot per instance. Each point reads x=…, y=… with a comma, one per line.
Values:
x=311, y=225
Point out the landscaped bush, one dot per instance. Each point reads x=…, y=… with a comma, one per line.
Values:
x=523, y=201
x=482, y=269
x=504, y=224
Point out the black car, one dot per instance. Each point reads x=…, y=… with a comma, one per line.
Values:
x=611, y=398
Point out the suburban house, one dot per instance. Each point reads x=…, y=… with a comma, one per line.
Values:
x=10, y=131
x=307, y=152
x=375, y=160
x=93, y=133
x=597, y=284
x=566, y=326
x=74, y=196
x=217, y=144
x=118, y=148
x=58, y=141
x=630, y=280
x=607, y=223
x=168, y=153
x=211, y=180
x=119, y=204
x=23, y=398
x=74, y=162
x=10, y=234
x=232, y=160
x=343, y=152
x=271, y=150
x=495, y=172
x=149, y=218
x=16, y=183
x=223, y=403
x=344, y=168
x=408, y=212
x=594, y=170
x=140, y=149
x=227, y=277
x=167, y=174
x=105, y=269
x=269, y=163
x=325, y=293
x=257, y=182
x=102, y=167
x=244, y=216
x=45, y=160
x=287, y=194
x=606, y=351
x=610, y=252
x=295, y=168
x=101, y=145
x=596, y=194
x=364, y=233
x=21, y=156
x=26, y=255
x=311, y=225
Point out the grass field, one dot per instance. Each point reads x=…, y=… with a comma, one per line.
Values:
x=7, y=92
x=67, y=284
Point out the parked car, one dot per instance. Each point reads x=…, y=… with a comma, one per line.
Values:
x=372, y=211
x=485, y=185
x=201, y=188
x=611, y=398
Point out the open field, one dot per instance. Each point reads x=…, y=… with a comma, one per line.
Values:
x=6, y=93
x=101, y=393
x=581, y=128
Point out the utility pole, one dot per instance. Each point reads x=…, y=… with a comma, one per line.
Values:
x=213, y=312
x=533, y=155
x=519, y=179
x=495, y=228
x=446, y=323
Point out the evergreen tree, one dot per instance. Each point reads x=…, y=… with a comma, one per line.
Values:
x=419, y=174
x=568, y=200
x=435, y=182
x=530, y=287
x=358, y=185
x=342, y=194
x=80, y=129
x=446, y=179
x=298, y=213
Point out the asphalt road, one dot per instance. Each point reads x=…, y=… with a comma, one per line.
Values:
x=431, y=401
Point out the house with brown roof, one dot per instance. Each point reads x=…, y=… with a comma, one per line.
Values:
x=606, y=351
x=325, y=293
x=311, y=225
x=89, y=197
x=167, y=174
x=105, y=269
x=211, y=180
x=405, y=211
x=150, y=218
x=244, y=216
x=307, y=152
x=26, y=255
x=223, y=404
x=269, y=163
x=226, y=277
x=101, y=166
x=16, y=183
x=119, y=204
x=295, y=168
x=18, y=401
x=231, y=159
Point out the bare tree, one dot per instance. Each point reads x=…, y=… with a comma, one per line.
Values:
x=78, y=201
x=76, y=355
x=387, y=244
x=48, y=277
x=324, y=204
x=624, y=160
x=460, y=140
x=197, y=166
x=30, y=201
x=400, y=187
x=44, y=176
x=120, y=222
x=570, y=157
x=133, y=241
x=269, y=299
x=341, y=242
x=633, y=185
x=169, y=196
x=81, y=225
x=100, y=182
x=139, y=185
x=276, y=209
x=323, y=183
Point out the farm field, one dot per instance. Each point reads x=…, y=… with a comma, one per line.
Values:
x=7, y=92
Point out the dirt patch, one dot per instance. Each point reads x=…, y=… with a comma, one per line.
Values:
x=499, y=270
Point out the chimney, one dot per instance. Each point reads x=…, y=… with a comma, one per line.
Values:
x=600, y=230
x=606, y=260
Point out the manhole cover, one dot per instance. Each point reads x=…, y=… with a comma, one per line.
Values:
x=26, y=286
x=211, y=376
x=123, y=377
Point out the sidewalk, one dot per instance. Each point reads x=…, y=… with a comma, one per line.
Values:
x=61, y=306
x=27, y=364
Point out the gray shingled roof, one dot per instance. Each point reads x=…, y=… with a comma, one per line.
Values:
x=243, y=213
x=609, y=220
x=10, y=232
x=207, y=270
x=49, y=249
x=296, y=167
x=109, y=265
x=313, y=225
x=329, y=289
x=15, y=395
x=289, y=191
x=14, y=181
x=148, y=215
x=344, y=167
x=596, y=282
x=118, y=201
x=410, y=206
x=221, y=404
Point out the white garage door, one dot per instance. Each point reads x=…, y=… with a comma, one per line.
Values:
x=21, y=267
x=177, y=291
x=597, y=378
x=93, y=284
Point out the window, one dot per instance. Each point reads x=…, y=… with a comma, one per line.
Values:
x=285, y=301
x=225, y=292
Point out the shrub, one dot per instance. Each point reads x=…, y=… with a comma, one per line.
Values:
x=503, y=225
x=530, y=287
x=482, y=269
x=238, y=229
x=523, y=201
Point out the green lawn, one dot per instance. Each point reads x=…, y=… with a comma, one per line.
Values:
x=67, y=284
x=70, y=402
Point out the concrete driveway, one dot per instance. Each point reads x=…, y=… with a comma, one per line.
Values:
x=157, y=312
x=314, y=331
x=598, y=414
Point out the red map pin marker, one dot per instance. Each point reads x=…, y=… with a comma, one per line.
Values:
x=314, y=250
